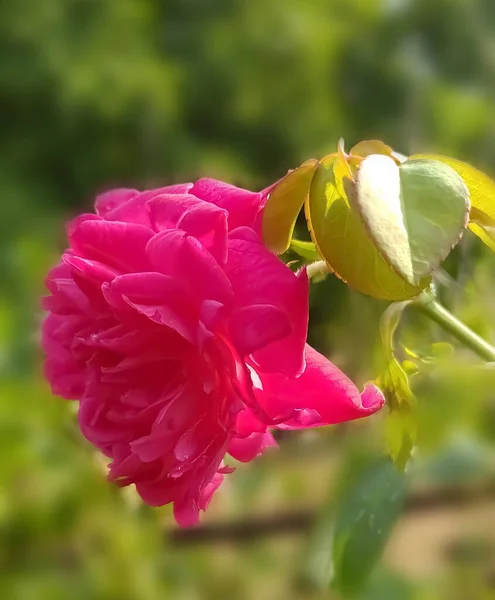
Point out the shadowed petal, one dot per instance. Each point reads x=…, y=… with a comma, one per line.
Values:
x=259, y=277
x=255, y=326
x=159, y=297
x=249, y=448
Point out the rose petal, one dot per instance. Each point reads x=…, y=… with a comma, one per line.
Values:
x=241, y=205
x=259, y=277
x=255, y=326
x=182, y=257
x=119, y=245
x=108, y=201
x=322, y=395
x=159, y=297
x=249, y=448
x=206, y=222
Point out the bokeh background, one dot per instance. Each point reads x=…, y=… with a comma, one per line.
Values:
x=98, y=93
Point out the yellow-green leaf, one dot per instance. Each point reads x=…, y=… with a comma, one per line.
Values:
x=306, y=250
x=483, y=226
x=368, y=147
x=284, y=204
x=401, y=431
x=395, y=378
x=415, y=212
x=482, y=192
x=438, y=351
x=401, y=422
x=342, y=240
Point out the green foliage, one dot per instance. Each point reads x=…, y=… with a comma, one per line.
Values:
x=365, y=518
x=401, y=420
x=306, y=250
x=457, y=462
x=482, y=193
x=415, y=213
x=284, y=204
x=342, y=240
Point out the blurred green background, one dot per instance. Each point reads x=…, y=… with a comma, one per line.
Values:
x=100, y=93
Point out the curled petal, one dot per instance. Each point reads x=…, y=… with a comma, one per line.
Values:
x=206, y=222
x=186, y=513
x=62, y=369
x=182, y=257
x=322, y=395
x=247, y=449
x=119, y=245
x=159, y=297
x=241, y=205
x=175, y=188
x=108, y=201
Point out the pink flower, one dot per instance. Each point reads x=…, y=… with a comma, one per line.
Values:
x=183, y=339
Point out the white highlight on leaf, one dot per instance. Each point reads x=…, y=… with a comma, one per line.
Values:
x=378, y=195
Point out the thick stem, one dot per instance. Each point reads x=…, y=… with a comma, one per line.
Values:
x=436, y=312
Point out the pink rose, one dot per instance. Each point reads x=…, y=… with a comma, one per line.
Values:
x=184, y=339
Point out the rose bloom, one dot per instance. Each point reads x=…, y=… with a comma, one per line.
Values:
x=184, y=339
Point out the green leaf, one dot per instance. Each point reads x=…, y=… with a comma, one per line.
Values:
x=401, y=431
x=436, y=352
x=342, y=240
x=395, y=386
x=461, y=460
x=484, y=227
x=306, y=250
x=401, y=422
x=315, y=571
x=401, y=428
x=482, y=193
x=388, y=585
x=365, y=518
x=368, y=147
x=284, y=204
x=415, y=213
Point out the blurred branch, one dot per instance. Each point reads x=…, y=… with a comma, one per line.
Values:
x=297, y=521
x=449, y=323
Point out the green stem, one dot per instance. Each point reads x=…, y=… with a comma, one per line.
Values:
x=436, y=312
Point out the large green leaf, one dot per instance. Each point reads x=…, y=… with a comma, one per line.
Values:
x=482, y=194
x=342, y=240
x=415, y=213
x=284, y=204
x=365, y=518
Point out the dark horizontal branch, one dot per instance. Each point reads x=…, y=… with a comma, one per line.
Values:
x=298, y=521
